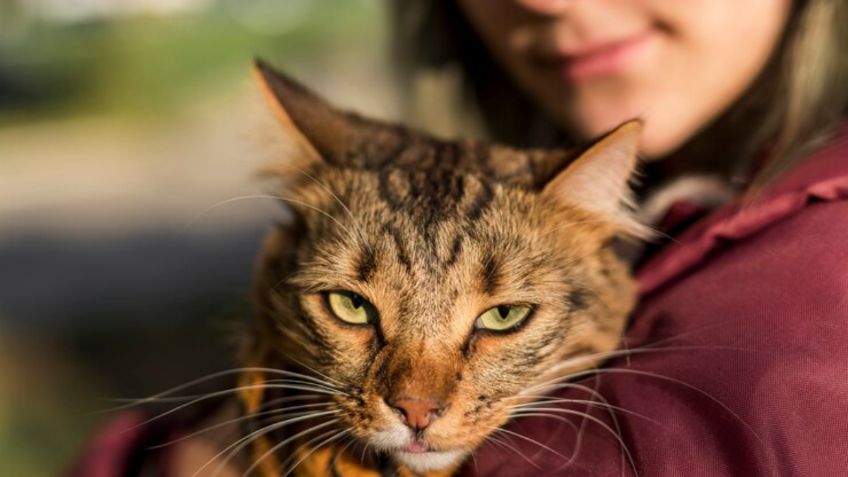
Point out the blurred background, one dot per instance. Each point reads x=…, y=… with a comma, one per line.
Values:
x=128, y=128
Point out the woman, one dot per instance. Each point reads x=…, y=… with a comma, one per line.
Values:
x=739, y=364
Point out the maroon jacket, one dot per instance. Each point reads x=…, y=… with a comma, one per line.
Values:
x=743, y=323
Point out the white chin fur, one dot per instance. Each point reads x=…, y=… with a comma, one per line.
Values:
x=429, y=461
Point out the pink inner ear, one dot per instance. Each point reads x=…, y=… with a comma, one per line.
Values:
x=280, y=112
x=598, y=180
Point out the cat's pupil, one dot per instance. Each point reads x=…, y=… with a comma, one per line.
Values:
x=356, y=300
x=503, y=310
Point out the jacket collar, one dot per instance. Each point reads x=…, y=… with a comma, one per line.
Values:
x=823, y=176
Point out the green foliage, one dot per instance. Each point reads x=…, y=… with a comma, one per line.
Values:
x=142, y=65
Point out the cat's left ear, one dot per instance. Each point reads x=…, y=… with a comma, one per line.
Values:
x=314, y=124
x=598, y=181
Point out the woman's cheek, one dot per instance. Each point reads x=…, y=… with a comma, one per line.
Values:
x=706, y=54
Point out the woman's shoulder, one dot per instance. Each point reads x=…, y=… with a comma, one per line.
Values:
x=800, y=222
x=766, y=275
x=749, y=306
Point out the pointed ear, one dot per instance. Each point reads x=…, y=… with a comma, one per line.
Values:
x=313, y=123
x=598, y=181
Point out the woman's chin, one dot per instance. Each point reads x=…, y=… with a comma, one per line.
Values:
x=661, y=135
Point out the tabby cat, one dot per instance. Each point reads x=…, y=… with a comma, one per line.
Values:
x=423, y=288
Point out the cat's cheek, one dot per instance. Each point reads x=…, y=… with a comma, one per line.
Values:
x=492, y=356
x=466, y=424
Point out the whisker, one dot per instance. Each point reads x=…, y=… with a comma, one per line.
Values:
x=319, y=373
x=712, y=325
x=571, y=425
x=597, y=395
x=577, y=443
x=676, y=381
x=283, y=443
x=209, y=377
x=528, y=439
x=495, y=440
x=203, y=212
x=317, y=446
x=534, y=406
x=362, y=456
x=350, y=440
x=600, y=397
x=305, y=383
x=296, y=397
x=577, y=361
x=283, y=411
x=223, y=393
x=239, y=445
x=593, y=419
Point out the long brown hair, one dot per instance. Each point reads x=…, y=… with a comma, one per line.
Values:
x=796, y=102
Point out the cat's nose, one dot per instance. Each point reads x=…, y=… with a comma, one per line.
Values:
x=418, y=413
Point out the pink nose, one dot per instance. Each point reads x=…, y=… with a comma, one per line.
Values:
x=418, y=413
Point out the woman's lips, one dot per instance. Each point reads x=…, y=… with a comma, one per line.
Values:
x=598, y=59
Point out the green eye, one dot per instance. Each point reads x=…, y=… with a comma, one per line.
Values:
x=502, y=317
x=351, y=308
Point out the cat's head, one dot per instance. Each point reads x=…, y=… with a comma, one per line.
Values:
x=433, y=283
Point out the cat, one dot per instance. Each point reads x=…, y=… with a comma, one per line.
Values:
x=424, y=288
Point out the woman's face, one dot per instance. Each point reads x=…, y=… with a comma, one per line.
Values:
x=595, y=63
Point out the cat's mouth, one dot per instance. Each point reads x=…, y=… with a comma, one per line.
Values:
x=417, y=446
x=423, y=461
x=417, y=453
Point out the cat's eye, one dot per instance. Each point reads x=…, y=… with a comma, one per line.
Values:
x=351, y=308
x=502, y=317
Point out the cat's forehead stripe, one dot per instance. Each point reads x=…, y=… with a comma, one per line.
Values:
x=367, y=262
x=400, y=247
x=430, y=197
x=456, y=249
x=481, y=201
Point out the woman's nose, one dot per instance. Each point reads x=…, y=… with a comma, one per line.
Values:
x=545, y=7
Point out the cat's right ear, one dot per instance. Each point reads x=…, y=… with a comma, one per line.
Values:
x=316, y=126
x=312, y=124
